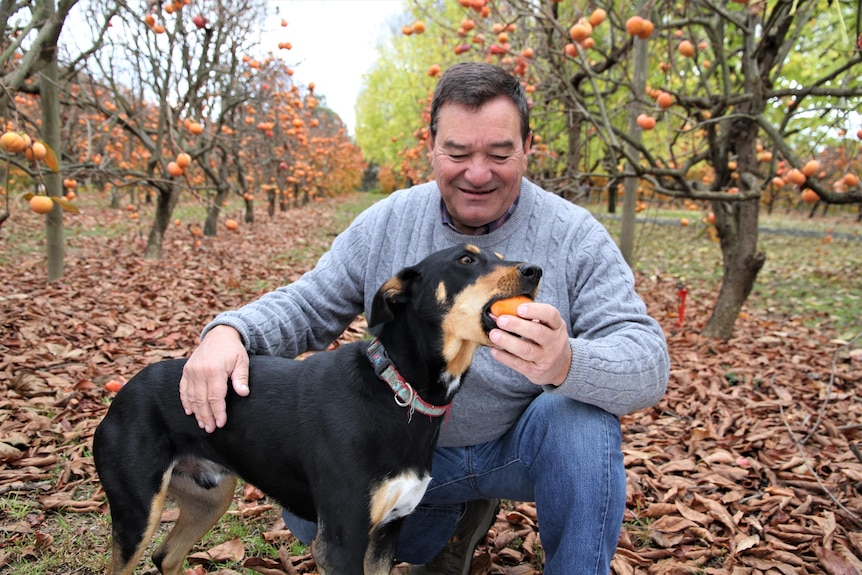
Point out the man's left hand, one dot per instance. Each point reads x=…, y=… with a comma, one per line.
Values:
x=542, y=352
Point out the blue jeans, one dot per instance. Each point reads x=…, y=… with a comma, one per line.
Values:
x=564, y=455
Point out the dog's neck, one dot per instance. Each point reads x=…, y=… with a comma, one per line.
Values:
x=405, y=395
x=427, y=375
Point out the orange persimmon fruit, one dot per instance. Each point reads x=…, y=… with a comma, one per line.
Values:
x=508, y=306
x=41, y=204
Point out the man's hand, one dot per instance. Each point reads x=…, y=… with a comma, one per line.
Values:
x=542, y=352
x=203, y=386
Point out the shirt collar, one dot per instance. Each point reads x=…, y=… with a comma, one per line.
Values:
x=481, y=230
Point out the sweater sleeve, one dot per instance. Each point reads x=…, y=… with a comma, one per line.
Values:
x=311, y=312
x=620, y=360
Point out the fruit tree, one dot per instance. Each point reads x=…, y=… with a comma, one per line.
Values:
x=723, y=98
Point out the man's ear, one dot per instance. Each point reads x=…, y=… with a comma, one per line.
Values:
x=393, y=293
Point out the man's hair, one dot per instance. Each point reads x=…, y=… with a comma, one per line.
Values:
x=473, y=84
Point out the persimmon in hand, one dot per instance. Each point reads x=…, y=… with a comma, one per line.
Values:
x=508, y=306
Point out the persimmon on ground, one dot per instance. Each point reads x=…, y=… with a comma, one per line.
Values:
x=114, y=385
x=231, y=224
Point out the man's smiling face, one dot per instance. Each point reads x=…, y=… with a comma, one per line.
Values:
x=478, y=160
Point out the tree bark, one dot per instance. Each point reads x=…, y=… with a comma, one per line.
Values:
x=574, y=126
x=214, y=209
x=640, y=66
x=55, y=233
x=737, y=230
x=737, y=222
x=167, y=201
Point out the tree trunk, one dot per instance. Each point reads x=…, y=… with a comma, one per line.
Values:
x=50, y=112
x=214, y=210
x=630, y=195
x=168, y=199
x=270, y=201
x=737, y=229
x=573, y=154
x=249, y=211
x=736, y=222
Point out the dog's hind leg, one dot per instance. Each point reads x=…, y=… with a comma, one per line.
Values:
x=133, y=524
x=203, y=492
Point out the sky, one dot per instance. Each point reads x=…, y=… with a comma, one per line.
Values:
x=334, y=43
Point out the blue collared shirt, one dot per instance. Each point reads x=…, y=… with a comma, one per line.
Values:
x=481, y=230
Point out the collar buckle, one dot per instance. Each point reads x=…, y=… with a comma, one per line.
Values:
x=405, y=395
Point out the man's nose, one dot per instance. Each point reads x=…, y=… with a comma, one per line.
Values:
x=478, y=171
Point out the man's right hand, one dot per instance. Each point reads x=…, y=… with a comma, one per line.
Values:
x=203, y=387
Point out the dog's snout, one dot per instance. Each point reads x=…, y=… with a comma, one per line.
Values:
x=530, y=272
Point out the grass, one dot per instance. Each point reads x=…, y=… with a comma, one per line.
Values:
x=812, y=279
x=81, y=539
x=306, y=252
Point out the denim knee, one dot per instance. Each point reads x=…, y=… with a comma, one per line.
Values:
x=579, y=477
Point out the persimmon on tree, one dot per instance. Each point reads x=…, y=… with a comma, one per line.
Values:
x=747, y=102
x=187, y=83
x=171, y=90
x=29, y=59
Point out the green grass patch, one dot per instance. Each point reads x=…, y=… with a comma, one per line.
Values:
x=306, y=251
x=811, y=277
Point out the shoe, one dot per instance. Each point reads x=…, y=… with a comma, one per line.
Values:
x=457, y=555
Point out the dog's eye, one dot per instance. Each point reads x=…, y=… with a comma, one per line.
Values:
x=466, y=260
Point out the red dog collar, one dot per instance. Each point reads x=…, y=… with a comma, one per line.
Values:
x=405, y=395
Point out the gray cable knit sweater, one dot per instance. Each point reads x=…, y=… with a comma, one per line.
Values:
x=619, y=355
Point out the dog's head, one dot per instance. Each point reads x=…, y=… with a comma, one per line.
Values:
x=449, y=295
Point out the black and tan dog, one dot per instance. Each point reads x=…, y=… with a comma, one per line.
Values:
x=342, y=437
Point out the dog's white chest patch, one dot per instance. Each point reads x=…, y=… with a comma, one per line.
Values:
x=397, y=496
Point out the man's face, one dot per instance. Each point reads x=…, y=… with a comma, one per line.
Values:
x=478, y=160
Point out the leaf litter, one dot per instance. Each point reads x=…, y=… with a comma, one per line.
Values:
x=749, y=464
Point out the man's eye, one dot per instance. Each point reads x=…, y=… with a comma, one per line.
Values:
x=458, y=156
x=499, y=158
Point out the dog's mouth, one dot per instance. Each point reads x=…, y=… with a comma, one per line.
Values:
x=489, y=320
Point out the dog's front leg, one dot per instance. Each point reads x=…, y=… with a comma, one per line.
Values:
x=380, y=554
x=341, y=542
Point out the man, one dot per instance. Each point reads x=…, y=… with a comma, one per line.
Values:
x=537, y=417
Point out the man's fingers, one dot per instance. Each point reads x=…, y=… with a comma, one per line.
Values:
x=203, y=396
x=534, y=343
x=239, y=376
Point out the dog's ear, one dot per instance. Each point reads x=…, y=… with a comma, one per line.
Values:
x=392, y=294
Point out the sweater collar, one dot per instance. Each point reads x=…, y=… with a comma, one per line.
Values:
x=481, y=230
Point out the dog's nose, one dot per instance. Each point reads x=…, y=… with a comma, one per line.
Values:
x=530, y=271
